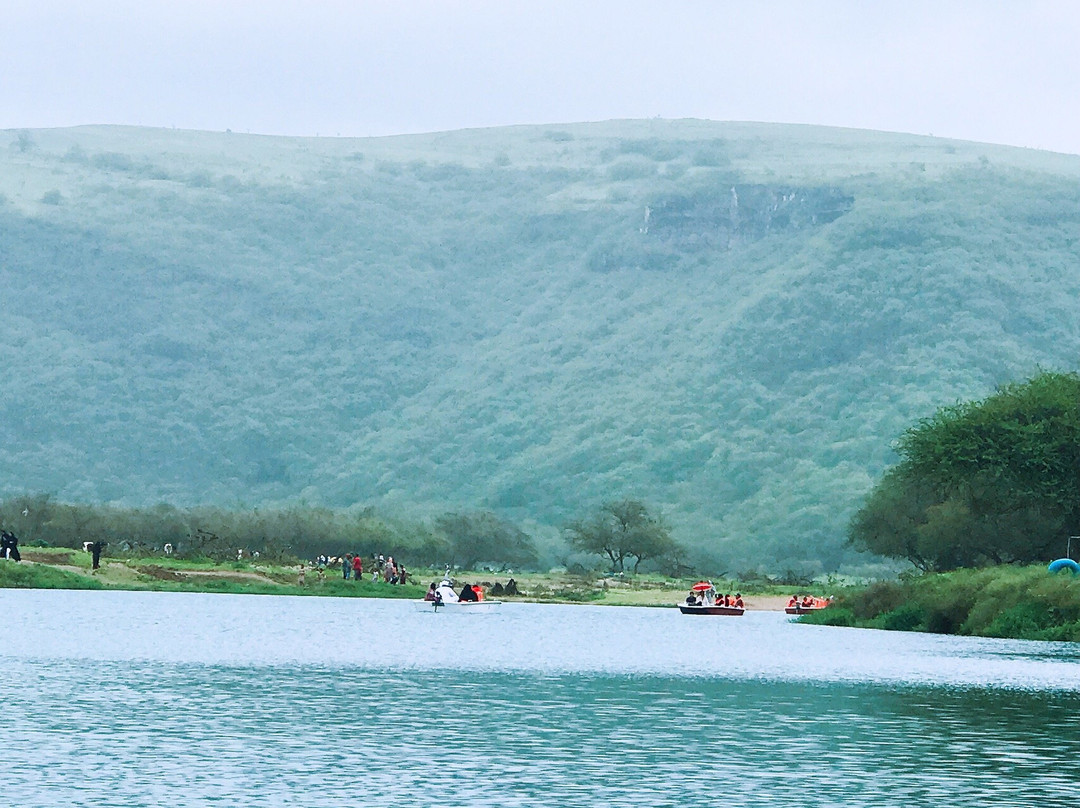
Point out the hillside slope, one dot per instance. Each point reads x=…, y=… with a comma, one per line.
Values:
x=731, y=322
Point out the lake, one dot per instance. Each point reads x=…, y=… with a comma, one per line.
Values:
x=147, y=699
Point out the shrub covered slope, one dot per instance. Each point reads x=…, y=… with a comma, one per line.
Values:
x=1005, y=601
x=731, y=322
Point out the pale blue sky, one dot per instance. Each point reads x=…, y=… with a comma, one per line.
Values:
x=1000, y=72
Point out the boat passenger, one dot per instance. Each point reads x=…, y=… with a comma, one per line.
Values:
x=739, y=601
x=793, y=602
x=807, y=603
x=479, y=590
x=467, y=594
x=691, y=600
x=431, y=592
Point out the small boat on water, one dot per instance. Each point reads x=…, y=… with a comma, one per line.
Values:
x=807, y=605
x=447, y=600
x=703, y=599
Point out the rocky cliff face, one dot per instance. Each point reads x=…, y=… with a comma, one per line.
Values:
x=723, y=216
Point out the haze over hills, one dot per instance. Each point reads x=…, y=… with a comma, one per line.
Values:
x=731, y=322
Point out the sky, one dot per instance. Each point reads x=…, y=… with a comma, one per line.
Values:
x=996, y=72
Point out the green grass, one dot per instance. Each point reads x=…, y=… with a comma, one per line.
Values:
x=14, y=575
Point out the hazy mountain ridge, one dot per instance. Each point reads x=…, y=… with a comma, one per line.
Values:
x=730, y=321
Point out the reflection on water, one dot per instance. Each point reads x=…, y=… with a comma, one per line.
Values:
x=193, y=700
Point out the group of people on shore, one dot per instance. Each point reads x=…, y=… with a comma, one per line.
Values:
x=383, y=568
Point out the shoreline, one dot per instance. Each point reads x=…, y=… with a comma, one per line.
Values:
x=62, y=568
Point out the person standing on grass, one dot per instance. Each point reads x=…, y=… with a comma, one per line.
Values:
x=346, y=566
x=9, y=546
x=358, y=567
x=301, y=575
x=95, y=554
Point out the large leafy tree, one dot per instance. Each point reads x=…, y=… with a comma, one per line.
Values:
x=992, y=481
x=483, y=537
x=620, y=531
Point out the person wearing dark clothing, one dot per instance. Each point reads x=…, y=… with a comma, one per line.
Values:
x=9, y=546
x=95, y=553
x=511, y=587
x=467, y=593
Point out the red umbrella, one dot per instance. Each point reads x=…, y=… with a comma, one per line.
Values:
x=701, y=586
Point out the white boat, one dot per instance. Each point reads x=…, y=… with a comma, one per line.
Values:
x=447, y=600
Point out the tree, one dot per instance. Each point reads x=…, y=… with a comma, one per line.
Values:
x=993, y=481
x=622, y=530
x=482, y=536
x=27, y=516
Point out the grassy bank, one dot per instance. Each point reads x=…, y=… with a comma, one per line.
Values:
x=1018, y=602
x=61, y=568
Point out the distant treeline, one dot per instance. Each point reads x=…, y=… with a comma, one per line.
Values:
x=459, y=539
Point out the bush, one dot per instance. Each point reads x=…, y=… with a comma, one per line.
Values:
x=1024, y=621
x=908, y=617
x=833, y=616
x=878, y=598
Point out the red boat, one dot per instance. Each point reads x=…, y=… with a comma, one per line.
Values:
x=732, y=611
x=815, y=605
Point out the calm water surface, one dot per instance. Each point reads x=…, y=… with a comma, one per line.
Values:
x=147, y=699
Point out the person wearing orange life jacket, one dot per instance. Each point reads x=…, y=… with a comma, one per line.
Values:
x=793, y=601
x=479, y=590
x=738, y=602
x=806, y=602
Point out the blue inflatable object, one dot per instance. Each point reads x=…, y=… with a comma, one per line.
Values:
x=1064, y=564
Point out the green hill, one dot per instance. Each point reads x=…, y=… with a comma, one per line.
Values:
x=731, y=322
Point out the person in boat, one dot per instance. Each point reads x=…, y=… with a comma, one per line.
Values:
x=691, y=599
x=479, y=591
x=793, y=601
x=430, y=592
x=468, y=595
x=807, y=603
x=738, y=602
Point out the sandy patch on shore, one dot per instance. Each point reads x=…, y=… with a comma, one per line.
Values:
x=766, y=603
